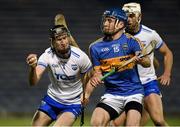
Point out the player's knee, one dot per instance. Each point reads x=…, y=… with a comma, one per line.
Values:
x=114, y=123
x=95, y=122
x=36, y=122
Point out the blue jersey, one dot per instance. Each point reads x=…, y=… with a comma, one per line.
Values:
x=105, y=54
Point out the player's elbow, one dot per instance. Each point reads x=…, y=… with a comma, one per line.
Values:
x=170, y=54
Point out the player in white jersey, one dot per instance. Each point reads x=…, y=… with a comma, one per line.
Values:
x=65, y=65
x=152, y=100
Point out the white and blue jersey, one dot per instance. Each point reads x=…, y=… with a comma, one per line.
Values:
x=147, y=75
x=105, y=54
x=65, y=75
x=146, y=35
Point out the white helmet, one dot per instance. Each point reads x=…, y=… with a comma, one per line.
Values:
x=132, y=8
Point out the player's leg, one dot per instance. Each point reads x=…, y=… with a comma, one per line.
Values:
x=108, y=109
x=119, y=121
x=45, y=114
x=155, y=109
x=133, y=118
x=100, y=117
x=65, y=119
x=68, y=115
x=153, y=103
x=144, y=118
x=133, y=109
x=41, y=119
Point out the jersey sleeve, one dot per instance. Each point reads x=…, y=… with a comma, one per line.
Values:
x=94, y=56
x=157, y=38
x=85, y=63
x=43, y=60
x=136, y=45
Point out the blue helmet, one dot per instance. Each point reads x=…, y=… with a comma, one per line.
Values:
x=117, y=13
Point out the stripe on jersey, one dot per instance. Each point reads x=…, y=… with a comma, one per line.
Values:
x=146, y=30
x=75, y=54
x=159, y=46
x=87, y=70
x=107, y=64
x=42, y=64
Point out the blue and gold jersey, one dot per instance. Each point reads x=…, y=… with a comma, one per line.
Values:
x=106, y=54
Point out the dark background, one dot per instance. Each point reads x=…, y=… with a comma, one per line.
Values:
x=24, y=26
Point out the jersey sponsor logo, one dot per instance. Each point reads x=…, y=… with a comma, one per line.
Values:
x=105, y=49
x=64, y=77
x=107, y=64
x=74, y=66
x=54, y=65
x=125, y=58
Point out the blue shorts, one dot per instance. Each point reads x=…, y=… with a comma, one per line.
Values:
x=151, y=87
x=53, y=108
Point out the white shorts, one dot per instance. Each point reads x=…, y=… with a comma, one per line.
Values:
x=118, y=103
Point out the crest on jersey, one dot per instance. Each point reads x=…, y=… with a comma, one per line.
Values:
x=74, y=67
x=125, y=46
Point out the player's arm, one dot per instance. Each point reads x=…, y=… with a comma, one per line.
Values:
x=168, y=62
x=93, y=82
x=87, y=76
x=96, y=74
x=35, y=72
x=156, y=63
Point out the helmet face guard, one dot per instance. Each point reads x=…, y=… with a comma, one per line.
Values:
x=58, y=30
x=117, y=14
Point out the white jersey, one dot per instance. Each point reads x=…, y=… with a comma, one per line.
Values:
x=65, y=74
x=146, y=35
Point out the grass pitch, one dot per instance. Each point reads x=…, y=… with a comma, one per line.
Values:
x=26, y=121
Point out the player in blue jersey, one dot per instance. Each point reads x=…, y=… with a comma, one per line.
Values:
x=65, y=68
x=152, y=100
x=124, y=90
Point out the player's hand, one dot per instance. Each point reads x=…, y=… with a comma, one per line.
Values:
x=32, y=60
x=137, y=59
x=96, y=79
x=85, y=99
x=165, y=79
